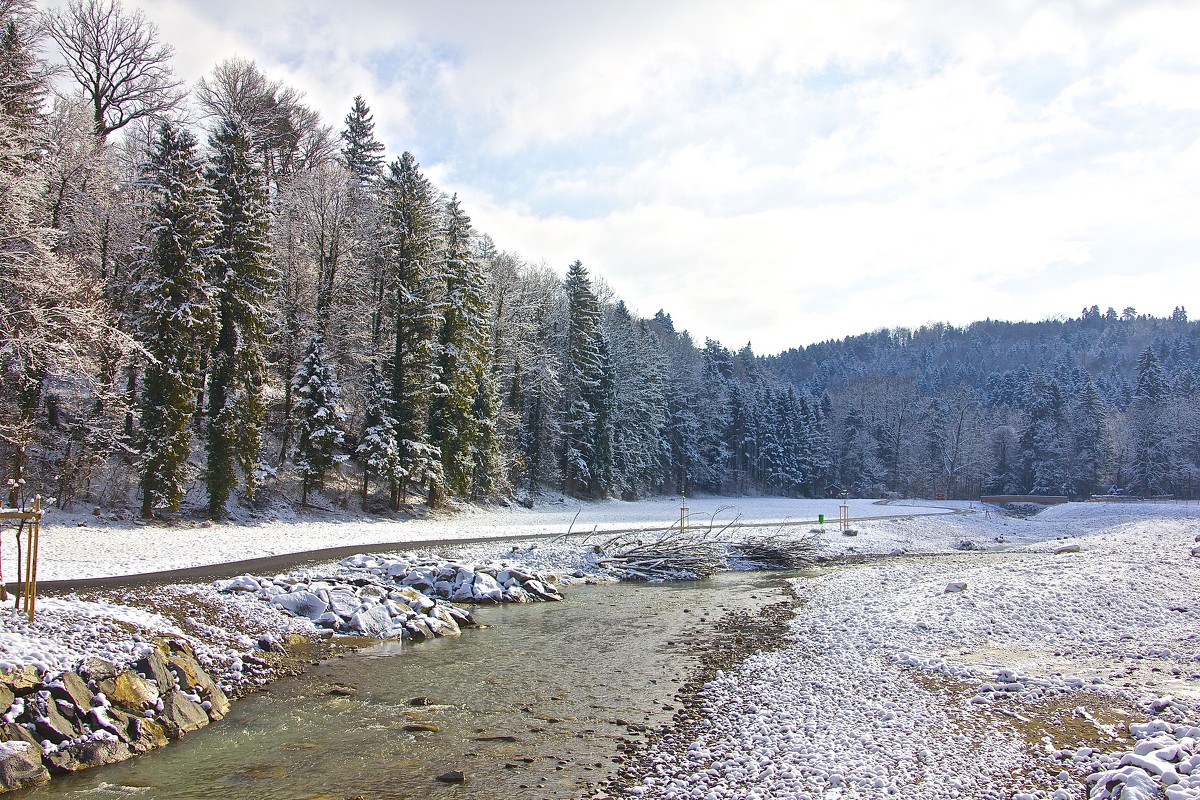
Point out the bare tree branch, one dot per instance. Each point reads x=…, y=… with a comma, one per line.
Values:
x=118, y=61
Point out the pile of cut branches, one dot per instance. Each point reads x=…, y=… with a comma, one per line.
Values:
x=662, y=555
x=779, y=551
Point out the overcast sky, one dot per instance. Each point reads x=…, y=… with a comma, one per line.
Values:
x=779, y=172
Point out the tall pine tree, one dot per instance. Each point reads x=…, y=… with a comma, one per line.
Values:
x=244, y=280
x=587, y=427
x=410, y=251
x=361, y=151
x=462, y=343
x=177, y=309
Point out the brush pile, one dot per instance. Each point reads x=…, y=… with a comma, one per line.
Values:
x=778, y=551
x=670, y=555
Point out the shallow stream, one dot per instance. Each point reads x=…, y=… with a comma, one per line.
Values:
x=535, y=705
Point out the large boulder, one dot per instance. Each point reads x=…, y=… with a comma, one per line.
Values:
x=302, y=603
x=73, y=689
x=22, y=680
x=95, y=751
x=154, y=667
x=21, y=765
x=129, y=691
x=49, y=723
x=486, y=589
x=181, y=714
x=98, y=669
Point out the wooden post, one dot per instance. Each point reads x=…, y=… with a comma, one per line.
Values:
x=27, y=584
x=683, y=510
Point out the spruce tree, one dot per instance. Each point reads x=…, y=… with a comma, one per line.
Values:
x=454, y=427
x=317, y=416
x=379, y=450
x=1152, y=456
x=243, y=281
x=361, y=151
x=587, y=433
x=177, y=309
x=410, y=250
x=22, y=76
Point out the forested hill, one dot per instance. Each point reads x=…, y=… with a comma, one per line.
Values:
x=999, y=358
x=1102, y=402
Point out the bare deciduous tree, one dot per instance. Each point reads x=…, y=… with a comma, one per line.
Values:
x=118, y=61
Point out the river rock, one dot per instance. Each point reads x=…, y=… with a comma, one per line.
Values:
x=181, y=714
x=1066, y=548
x=955, y=586
x=129, y=692
x=49, y=723
x=6, y=698
x=21, y=765
x=98, y=669
x=417, y=601
x=371, y=621
x=188, y=672
x=302, y=603
x=16, y=732
x=143, y=735
x=343, y=602
x=154, y=667
x=541, y=590
x=242, y=583
x=94, y=751
x=72, y=688
x=442, y=613
x=22, y=680
x=486, y=590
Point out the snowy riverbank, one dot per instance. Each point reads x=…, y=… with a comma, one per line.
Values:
x=1033, y=679
x=1059, y=676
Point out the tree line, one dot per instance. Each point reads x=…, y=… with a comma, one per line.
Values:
x=211, y=297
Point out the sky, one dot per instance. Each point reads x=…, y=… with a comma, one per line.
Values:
x=779, y=173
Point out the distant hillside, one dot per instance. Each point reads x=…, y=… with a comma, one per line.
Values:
x=1101, y=402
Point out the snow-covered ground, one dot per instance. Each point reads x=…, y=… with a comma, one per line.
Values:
x=80, y=545
x=1038, y=675
x=1048, y=675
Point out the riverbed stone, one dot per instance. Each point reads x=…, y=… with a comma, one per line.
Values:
x=302, y=603
x=181, y=714
x=96, y=751
x=442, y=613
x=189, y=674
x=143, y=735
x=218, y=702
x=6, y=698
x=129, y=691
x=486, y=589
x=22, y=680
x=16, y=732
x=21, y=765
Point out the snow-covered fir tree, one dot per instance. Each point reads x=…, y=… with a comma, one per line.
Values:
x=361, y=151
x=379, y=450
x=410, y=229
x=318, y=418
x=1152, y=452
x=462, y=340
x=177, y=320
x=587, y=432
x=243, y=281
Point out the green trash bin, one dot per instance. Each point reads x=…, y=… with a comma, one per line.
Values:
x=821, y=518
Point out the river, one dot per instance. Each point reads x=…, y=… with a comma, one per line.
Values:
x=538, y=703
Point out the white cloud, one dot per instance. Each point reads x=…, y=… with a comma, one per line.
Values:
x=780, y=172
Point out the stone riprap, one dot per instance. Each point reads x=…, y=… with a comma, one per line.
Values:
x=101, y=713
x=407, y=597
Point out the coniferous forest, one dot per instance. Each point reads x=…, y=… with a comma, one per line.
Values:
x=212, y=297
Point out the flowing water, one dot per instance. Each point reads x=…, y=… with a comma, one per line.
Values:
x=532, y=706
